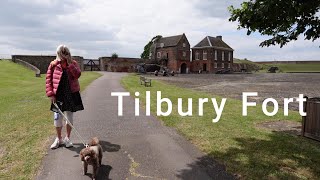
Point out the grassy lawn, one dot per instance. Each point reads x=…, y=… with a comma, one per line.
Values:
x=283, y=68
x=235, y=141
x=297, y=67
x=25, y=120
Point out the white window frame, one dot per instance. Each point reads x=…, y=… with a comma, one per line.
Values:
x=222, y=55
x=205, y=55
x=197, y=56
x=215, y=55
x=158, y=54
x=222, y=66
x=215, y=65
x=229, y=65
x=184, y=45
x=184, y=54
x=229, y=56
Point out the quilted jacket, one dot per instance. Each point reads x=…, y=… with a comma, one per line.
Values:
x=54, y=74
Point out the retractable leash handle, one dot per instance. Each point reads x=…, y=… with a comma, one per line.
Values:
x=75, y=130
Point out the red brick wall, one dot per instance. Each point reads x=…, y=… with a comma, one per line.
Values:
x=119, y=64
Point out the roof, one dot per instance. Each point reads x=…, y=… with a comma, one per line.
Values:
x=213, y=42
x=169, y=41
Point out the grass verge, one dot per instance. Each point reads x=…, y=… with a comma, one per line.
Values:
x=25, y=120
x=235, y=141
x=297, y=67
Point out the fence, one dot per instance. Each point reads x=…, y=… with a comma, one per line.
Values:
x=311, y=122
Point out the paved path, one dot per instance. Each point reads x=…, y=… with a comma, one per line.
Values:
x=134, y=147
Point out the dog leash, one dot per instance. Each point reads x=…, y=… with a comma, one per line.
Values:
x=75, y=130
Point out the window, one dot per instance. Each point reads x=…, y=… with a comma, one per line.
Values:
x=229, y=56
x=159, y=55
x=197, y=56
x=215, y=65
x=204, y=55
x=184, y=54
x=184, y=44
x=215, y=55
x=229, y=66
x=222, y=65
x=222, y=55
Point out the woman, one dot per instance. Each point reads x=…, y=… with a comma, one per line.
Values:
x=62, y=87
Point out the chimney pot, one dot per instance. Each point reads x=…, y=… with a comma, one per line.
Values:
x=219, y=37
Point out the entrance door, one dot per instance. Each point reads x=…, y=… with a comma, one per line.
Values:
x=183, y=69
x=204, y=67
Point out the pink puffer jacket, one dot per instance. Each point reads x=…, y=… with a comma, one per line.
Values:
x=54, y=74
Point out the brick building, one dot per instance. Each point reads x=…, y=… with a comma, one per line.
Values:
x=172, y=52
x=211, y=55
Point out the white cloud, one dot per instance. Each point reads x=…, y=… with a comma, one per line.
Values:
x=99, y=28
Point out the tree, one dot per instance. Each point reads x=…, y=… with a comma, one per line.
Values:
x=114, y=56
x=284, y=20
x=146, y=52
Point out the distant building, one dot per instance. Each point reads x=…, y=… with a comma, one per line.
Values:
x=212, y=54
x=172, y=52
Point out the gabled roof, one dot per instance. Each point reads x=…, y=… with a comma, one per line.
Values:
x=212, y=42
x=169, y=41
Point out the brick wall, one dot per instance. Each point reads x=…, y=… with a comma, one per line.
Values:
x=42, y=62
x=120, y=64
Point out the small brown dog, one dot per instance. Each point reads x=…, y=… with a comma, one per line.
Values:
x=92, y=155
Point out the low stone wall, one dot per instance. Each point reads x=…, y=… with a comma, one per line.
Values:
x=30, y=66
x=42, y=62
x=119, y=64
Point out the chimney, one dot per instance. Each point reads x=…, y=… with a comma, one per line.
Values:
x=219, y=37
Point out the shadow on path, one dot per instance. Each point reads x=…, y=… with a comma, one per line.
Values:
x=103, y=173
x=207, y=164
x=104, y=170
x=106, y=147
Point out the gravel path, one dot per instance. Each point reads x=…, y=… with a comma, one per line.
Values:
x=277, y=86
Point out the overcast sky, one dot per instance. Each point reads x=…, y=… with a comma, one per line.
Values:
x=98, y=28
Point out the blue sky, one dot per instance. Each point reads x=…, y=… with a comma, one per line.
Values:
x=98, y=28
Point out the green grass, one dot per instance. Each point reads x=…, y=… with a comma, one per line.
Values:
x=242, y=61
x=297, y=67
x=25, y=120
x=283, y=68
x=235, y=141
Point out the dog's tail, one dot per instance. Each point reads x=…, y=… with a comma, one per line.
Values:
x=94, y=141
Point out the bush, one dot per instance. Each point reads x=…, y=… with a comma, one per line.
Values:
x=114, y=56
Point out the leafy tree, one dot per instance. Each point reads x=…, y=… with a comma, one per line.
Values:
x=114, y=55
x=284, y=20
x=146, y=52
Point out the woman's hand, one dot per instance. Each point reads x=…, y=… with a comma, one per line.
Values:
x=53, y=99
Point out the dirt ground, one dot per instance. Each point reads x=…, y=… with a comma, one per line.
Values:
x=277, y=86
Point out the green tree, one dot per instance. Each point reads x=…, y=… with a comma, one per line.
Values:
x=114, y=55
x=146, y=52
x=283, y=20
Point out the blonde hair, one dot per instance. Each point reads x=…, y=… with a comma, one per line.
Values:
x=63, y=53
